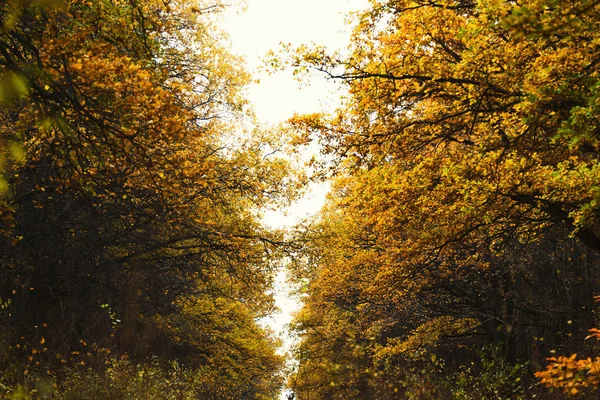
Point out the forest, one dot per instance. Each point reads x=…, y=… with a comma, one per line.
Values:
x=457, y=255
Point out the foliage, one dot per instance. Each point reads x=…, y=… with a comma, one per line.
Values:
x=494, y=378
x=130, y=198
x=119, y=378
x=573, y=375
x=466, y=112
x=570, y=374
x=464, y=211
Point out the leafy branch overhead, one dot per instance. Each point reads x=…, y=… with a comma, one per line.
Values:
x=457, y=255
x=465, y=162
x=130, y=198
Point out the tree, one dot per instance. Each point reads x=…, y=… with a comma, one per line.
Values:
x=128, y=218
x=478, y=108
x=465, y=159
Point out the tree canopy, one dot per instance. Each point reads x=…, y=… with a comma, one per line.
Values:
x=129, y=214
x=456, y=257
x=465, y=209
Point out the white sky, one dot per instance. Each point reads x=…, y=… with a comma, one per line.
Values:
x=275, y=98
x=267, y=23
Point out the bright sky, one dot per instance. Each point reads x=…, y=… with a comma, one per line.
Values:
x=262, y=27
x=278, y=96
x=266, y=24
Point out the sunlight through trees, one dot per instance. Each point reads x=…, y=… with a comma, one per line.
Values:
x=456, y=256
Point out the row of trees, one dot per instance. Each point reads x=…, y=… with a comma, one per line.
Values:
x=459, y=248
x=128, y=218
